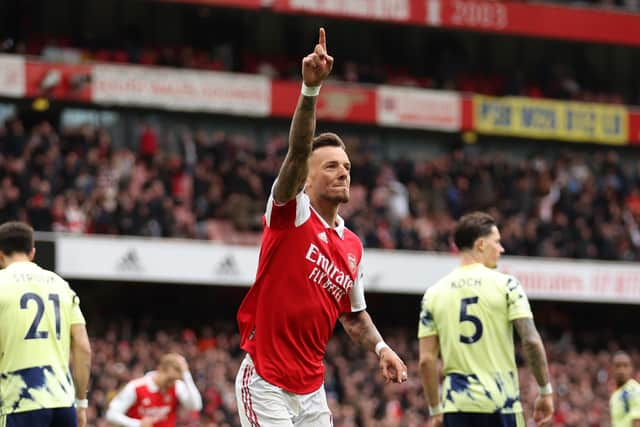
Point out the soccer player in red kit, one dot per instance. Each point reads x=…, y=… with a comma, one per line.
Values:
x=153, y=400
x=309, y=276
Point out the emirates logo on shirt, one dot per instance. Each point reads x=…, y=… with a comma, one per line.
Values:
x=157, y=412
x=328, y=275
x=353, y=263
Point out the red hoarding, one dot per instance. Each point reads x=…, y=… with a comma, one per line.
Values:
x=341, y=103
x=539, y=20
x=634, y=126
x=401, y=11
x=61, y=81
x=527, y=19
x=245, y=4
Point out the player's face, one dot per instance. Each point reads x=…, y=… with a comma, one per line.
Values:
x=329, y=175
x=622, y=369
x=492, y=248
x=171, y=375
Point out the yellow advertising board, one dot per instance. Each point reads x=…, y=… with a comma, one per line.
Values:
x=546, y=119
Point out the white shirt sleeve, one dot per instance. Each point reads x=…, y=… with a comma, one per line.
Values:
x=303, y=207
x=356, y=296
x=119, y=407
x=188, y=393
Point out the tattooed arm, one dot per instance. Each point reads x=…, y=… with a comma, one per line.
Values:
x=537, y=360
x=294, y=169
x=361, y=329
x=533, y=349
x=315, y=68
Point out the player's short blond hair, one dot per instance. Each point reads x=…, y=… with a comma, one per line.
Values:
x=327, y=139
x=169, y=360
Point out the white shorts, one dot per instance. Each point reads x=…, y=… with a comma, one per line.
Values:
x=263, y=404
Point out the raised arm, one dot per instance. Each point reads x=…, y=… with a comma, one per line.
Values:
x=187, y=392
x=315, y=68
x=537, y=360
x=361, y=329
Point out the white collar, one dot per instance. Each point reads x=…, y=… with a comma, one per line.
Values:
x=339, y=228
x=151, y=384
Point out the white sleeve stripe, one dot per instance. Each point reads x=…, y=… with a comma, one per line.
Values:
x=267, y=214
x=188, y=393
x=303, y=207
x=356, y=296
x=120, y=405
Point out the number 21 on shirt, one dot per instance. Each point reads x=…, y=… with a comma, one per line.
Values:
x=33, y=333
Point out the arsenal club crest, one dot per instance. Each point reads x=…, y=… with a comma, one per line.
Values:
x=352, y=263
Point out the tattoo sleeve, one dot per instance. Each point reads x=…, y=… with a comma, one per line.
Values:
x=294, y=169
x=361, y=329
x=533, y=349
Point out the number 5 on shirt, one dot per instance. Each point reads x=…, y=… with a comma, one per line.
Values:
x=466, y=317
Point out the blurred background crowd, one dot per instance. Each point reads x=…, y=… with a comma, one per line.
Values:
x=580, y=365
x=74, y=167
x=213, y=185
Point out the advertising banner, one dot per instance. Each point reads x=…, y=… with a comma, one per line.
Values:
x=337, y=102
x=401, y=11
x=244, y=4
x=545, y=119
x=537, y=19
x=634, y=126
x=71, y=82
x=172, y=89
x=407, y=272
x=422, y=109
x=12, y=76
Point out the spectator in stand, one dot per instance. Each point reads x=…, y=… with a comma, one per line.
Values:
x=571, y=205
x=625, y=401
x=148, y=146
x=153, y=400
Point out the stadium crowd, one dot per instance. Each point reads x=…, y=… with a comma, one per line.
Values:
x=213, y=185
x=458, y=71
x=356, y=392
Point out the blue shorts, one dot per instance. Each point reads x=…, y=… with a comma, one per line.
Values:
x=472, y=419
x=53, y=417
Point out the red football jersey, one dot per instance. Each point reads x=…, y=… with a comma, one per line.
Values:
x=308, y=274
x=151, y=402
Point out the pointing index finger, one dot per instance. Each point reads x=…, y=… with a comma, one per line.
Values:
x=322, y=39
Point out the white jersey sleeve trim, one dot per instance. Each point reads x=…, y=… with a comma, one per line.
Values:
x=188, y=393
x=303, y=207
x=356, y=296
x=120, y=405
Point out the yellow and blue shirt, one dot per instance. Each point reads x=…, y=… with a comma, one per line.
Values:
x=625, y=404
x=37, y=309
x=470, y=310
